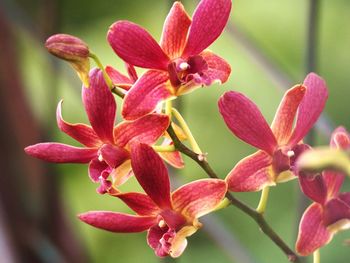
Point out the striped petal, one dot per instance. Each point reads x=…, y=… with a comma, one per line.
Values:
x=313, y=186
x=337, y=214
x=119, y=79
x=142, y=204
x=172, y=158
x=113, y=155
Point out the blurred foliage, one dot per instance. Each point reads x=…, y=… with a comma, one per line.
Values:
x=278, y=27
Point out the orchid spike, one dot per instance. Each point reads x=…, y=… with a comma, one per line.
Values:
x=280, y=144
x=330, y=211
x=180, y=63
x=169, y=217
x=107, y=147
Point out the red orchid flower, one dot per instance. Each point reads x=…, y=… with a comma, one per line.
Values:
x=330, y=211
x=119, y=79
x=168, y=217
x=180, y=63
x=107, y=147
x=280, y=145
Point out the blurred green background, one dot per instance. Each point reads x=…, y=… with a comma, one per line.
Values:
x=266, y=45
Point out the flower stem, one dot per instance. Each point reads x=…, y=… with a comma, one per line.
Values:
x=257, y=217
x=263, y=200
x=317, y=256
x=168, y=108
x=187, y=131
x=165, y=148
x=223, y=204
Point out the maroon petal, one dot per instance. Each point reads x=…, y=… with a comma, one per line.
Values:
x=335, y=210
x=175, y=31
x=96, y=168
x=113, y=155
x=251, y=174
x=150, y=89
x=333, y=181
x=80, y=132
x=313, y=186
x=151, y=173
x=158, y=240
x=119, y=79
x=282, y=124
x=340, y=138
x=140, y=203
x=245, y=120
x=61, y=153
x=198, y=198
x=147, y=129
x=172, y=158
x=313, y=234
x=136, y=46
x=209, y=20
x=345, y=197
x=310, y=107
x=117, y=222
x=100, y=106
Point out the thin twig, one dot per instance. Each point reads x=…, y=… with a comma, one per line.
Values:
x=257, y=217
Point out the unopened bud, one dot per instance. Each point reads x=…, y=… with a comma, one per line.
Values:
x=73, y=50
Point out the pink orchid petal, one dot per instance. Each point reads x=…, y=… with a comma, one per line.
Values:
x=218, y=69
x=149, y=90
x=119, y=79
x=117, y=222
x=156, y=240
x=314, y=187
x=113, y=155
x=172, y=158
x=136, y=46
x=336, y=209
x=340, y=138
x=175, y=31
x=151, y=173
x=282, y=124
x=245, y=120
x=146, y=129
x=96, y=167
x=310, y=107
x=333, y=181
x=100, y=106
x=313, y=234
x=208, y=22
x=80, y=132
x=200, y=197
x=345, y=197
x=131, y=72
x=251, y=174
x=142, y=204
x=61, y=153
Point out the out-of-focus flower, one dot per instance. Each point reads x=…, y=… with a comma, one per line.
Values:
x=73, y=50
x=169, y=217
x=279, y=145
x=180, y=63
x=330, y=211
x=107, y=148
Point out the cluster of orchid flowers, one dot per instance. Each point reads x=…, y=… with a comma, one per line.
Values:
x=141, y=142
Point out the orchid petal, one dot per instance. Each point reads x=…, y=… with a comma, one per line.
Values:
x=310, y=107
x=96, y=167
x=113, y=155
x=199, y=198
x=136, y=46
x=313, y=234
x=208, y=22
x=149, y=90
x=117, y=222
x=122, y=173
x=100, y=106
x=335, y=210
x=146, y=129
x=313, y=186
x=155, y=235
x=251, y=174
x=119, y=79
x=172, y=158
x=175, y=31
x=340, y=139
x=80, y=132
x=282, y=124
x=142, y=204
x=245, y=120
x=345, y=197
x=61, y=153
x=151, y=173
x=333, y=181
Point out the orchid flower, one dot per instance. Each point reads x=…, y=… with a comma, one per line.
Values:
x=280, y=145
x=180, y=63
x=169, y=217
x=330, y=211
x=106, y=148
x=119, y=79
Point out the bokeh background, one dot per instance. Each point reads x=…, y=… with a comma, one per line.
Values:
x=270, y=45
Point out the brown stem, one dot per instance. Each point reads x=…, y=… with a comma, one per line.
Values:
x=257, y=217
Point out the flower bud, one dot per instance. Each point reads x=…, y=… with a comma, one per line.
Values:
x=74, y=51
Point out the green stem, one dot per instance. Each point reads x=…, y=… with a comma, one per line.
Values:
x=257, y=217
x=317, y=256
x=168, y=108
x=263, y=200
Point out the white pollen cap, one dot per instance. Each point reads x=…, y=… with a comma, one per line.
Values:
x=290, y=153
x=184, y=65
